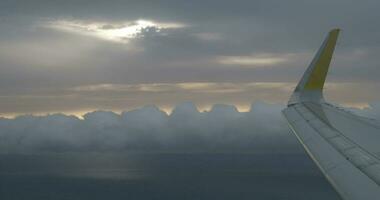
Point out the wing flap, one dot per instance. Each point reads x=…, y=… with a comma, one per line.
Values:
x=343, y=163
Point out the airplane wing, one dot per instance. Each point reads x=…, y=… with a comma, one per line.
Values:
x=346, y=147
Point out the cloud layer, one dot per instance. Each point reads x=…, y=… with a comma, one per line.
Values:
x=148, y=129
x=222, y=129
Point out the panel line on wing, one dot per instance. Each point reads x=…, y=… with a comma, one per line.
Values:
x=363, y=160
x=311, y=110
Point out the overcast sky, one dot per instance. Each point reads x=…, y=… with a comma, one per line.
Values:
x=78, y=56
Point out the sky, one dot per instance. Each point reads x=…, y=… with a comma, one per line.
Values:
x=74, y=57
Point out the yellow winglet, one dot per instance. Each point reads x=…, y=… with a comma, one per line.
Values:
x=311, y=85
x=322, y=62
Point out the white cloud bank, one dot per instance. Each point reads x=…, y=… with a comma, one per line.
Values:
x=222, y=129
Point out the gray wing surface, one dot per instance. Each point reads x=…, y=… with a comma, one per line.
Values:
x=345, y=147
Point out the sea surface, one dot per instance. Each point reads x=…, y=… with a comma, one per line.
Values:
x=158, y=176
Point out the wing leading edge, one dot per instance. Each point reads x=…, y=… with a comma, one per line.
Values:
x=344, y=146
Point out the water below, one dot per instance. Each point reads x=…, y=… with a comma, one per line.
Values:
x=108, y=176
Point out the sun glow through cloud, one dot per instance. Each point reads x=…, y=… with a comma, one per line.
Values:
x=116, y=32
x=259, y=60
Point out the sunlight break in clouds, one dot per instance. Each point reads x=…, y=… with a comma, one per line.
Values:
x=260, y=60
x=116, y=32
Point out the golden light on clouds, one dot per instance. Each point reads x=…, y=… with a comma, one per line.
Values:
x=356, y=105
x=199, y=87
x=260, y=60
x=123, y=97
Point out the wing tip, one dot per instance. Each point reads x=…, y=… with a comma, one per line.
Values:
x=311, y=84
x=337, y=30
